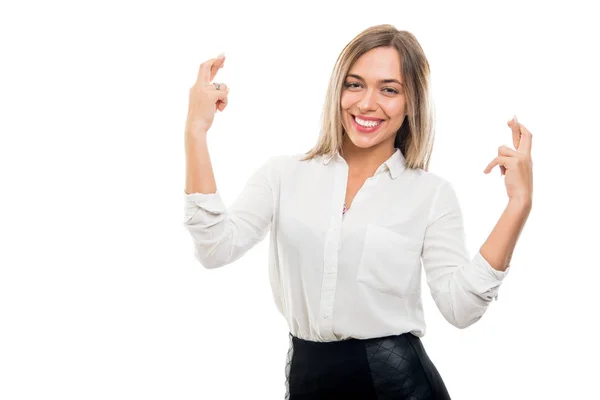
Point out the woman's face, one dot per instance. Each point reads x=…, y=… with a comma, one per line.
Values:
x=365, y=93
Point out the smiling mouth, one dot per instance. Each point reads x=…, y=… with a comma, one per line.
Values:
x=369, y=128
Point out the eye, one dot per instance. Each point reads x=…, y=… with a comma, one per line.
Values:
x=350, y=85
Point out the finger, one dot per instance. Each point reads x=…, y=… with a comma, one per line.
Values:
x=221, y=104
x=213, y=87
x=504, y=150
x=500, y=160
x=219, y=95
x=501, y=151
x=216, y=66
x=526, y=138
x=516, y=132
x=208, y=69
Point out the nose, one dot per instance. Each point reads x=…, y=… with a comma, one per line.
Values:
x=368, y=102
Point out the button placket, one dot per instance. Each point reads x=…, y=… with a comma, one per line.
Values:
x=329, y=278
x=330, y=256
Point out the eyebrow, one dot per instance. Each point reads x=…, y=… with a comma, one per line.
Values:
x=379, y=81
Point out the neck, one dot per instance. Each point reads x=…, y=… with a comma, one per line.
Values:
x=365, y=161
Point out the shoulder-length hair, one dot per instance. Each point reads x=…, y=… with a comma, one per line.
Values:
x=415, y=136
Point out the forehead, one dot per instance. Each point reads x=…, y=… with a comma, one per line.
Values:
x=379, y=62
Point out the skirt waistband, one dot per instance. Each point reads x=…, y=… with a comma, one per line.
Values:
x=392, y=367
x=352, y=341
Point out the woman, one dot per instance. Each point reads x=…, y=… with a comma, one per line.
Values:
x=352, y=220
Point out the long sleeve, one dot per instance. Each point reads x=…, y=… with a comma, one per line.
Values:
x=462, y=288
x=221, y=235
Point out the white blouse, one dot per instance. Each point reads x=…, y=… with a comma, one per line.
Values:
x=358, y=274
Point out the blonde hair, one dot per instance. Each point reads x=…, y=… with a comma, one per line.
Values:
x=416, y=135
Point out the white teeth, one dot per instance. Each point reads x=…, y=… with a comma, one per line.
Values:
x=366, y=124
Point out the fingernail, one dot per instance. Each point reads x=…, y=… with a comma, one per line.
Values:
x=515, y=119
x=221, y=55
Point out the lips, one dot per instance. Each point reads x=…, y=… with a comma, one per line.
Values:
x=365, y=118
x=363, y=129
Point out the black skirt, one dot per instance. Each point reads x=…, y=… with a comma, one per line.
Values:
x=392, y=368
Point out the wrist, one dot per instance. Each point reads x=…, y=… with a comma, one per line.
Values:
x=195, y=128
x=522, y=202
x=194, y=134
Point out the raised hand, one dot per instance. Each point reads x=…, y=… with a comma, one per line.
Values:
x=205, y=99
x=516, y=165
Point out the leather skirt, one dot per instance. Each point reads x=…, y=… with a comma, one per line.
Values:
x=391, y=368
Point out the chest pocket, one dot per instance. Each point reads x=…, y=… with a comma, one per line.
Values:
x=390, y=262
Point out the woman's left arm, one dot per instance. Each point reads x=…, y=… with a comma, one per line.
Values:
x=516, y=165
x=463, y=287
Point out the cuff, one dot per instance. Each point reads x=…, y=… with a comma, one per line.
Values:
x=209, y=202
x=483, y=278
x=493, y=273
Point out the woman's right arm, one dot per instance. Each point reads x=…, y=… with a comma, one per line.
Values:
x=220, y=235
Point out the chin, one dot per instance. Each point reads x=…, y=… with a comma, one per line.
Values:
x=361, y=142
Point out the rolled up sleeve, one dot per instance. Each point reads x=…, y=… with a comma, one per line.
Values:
x=462, y=287
x=223, y=234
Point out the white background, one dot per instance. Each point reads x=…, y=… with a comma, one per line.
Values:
x=100, y=294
